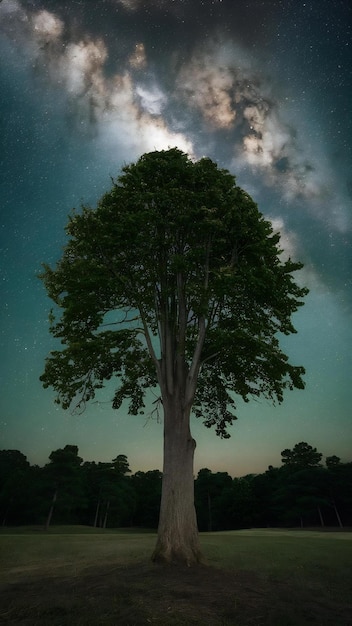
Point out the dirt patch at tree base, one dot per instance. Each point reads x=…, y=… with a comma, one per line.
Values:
x=165, y=595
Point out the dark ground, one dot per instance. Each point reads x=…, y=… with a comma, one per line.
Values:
x=149, y=594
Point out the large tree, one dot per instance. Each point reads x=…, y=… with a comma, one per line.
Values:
x=174, y=281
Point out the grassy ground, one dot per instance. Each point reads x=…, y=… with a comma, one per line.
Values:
x=80, y=577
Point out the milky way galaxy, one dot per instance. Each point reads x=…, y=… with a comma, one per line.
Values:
x=263, y=88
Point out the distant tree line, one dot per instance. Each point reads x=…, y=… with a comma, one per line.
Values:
x=302, y=492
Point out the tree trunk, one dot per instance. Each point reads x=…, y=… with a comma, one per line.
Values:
x=178, y=540
x=106, y=514
x=337, y=514
x=51, y=510
x=96, y=515
x=210, y=520
x=7, y=512
x=321, y=517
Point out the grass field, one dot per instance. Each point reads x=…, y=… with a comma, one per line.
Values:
x=80, y=576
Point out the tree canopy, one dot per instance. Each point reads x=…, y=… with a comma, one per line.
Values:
x=301, y=456
x=175, y=273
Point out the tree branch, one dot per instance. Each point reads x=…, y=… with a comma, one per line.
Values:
x=150, y=344
x=195, y=365
x=182, y=325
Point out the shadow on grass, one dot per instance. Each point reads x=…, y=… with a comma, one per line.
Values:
x=144, y=593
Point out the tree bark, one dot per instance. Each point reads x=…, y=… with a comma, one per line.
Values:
x=337, y=514
x=178, y=540
x=106, y=514
x=321, y=517
x=96, y=515
x=51, y=510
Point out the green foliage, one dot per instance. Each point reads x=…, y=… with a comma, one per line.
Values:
x=147, y=486
x=212, y=495
x=110, y=495
x=62, y=477
x=332, y=461
x=175, y=278
x=14, y=472
x=301, y=456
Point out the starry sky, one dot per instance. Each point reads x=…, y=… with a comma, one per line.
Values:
x=261, y=87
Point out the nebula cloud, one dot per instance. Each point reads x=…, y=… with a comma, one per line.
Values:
x=121, y=105
x=138, y=59
x=47, y=26
x=230, y=93
x=219, y=94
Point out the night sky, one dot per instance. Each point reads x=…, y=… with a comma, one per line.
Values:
x=262, y=87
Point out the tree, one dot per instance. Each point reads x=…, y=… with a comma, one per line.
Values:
x=243, y=502
x=147, y=487
x=306, y=495
x=112, y=491
x=173, y=282
x=65, y=482
x=304, y=482
x=332, y=461
x=340, y=489
x=265, y=487
x=209, y=498
x=301, y=456
x=14, y=469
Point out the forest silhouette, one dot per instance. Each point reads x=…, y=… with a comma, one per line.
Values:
x=302, y=492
